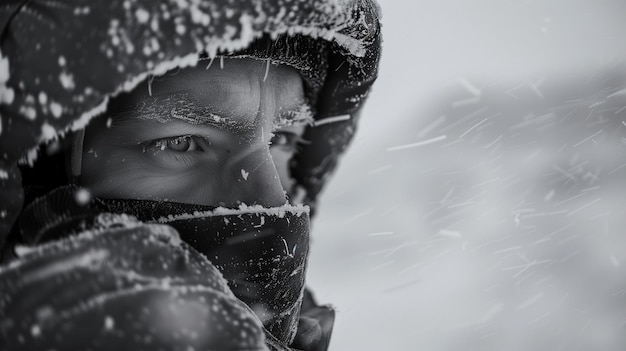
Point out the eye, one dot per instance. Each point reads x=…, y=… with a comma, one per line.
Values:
x=172, y=153
x=183, y=143
x=285, y=140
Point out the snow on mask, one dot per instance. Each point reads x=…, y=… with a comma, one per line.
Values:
x=261, y=252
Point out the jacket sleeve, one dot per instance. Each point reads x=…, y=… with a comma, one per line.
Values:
x=129, y=286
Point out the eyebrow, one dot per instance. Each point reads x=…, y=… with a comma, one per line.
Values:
x=193, y=114
x=180, y=108
x=300, y=114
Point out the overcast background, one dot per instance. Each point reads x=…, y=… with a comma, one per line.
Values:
x=483, y=204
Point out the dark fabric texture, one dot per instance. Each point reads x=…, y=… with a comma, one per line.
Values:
x=132, y=286
x=261, y=255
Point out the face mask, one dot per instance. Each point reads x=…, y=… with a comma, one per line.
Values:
x=262, y=252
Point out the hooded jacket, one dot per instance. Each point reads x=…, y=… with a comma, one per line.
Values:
x=60, y=64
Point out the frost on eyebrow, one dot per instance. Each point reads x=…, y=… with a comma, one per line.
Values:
x=303, y=114
x=178, y=106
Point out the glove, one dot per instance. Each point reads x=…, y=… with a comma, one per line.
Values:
x=125, y=286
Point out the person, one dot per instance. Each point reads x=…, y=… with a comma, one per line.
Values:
x=182, y=146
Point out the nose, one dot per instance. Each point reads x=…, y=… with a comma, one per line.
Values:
x=252, y=179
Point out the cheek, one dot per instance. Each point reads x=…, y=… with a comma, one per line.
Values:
x=111, y=174
x=123, y=175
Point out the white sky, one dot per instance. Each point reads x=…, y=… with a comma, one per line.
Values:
x=428, y=45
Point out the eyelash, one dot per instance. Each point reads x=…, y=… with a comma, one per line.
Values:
x=163, y=149
x=170, y=144
x=286, y=140
x=280, y=139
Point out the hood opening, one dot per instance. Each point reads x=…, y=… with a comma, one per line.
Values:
x=59, y=159
x=49, y=88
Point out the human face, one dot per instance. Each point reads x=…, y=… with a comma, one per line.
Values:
x=207, y=136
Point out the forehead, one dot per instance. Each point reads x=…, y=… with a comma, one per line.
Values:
x=234, y=87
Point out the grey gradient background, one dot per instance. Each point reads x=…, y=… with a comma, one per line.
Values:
x=505, y=228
